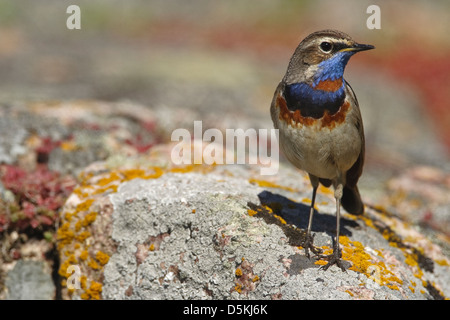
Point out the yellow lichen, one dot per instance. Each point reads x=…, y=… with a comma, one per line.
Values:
x=442, y=262
x=102, y=257
x=363, y=262
x=140, y=173
x=325, y=190
x=113, y=176
x=268, y=184
x=238, y=272
x=89, y=218
x=320, y=262
x=85, y=205
x=84, y=255
x=64, y=235
x=83, y=282
x=93, y=292
x=81, y=237
x=280, y=219
x=94, y=265
x=110, y=188
x=69, y=146
x=350, y=293
x=76, y=222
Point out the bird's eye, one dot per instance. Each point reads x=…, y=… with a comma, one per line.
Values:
x=326, y=47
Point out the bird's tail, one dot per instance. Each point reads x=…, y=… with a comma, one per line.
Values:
x=351, y=201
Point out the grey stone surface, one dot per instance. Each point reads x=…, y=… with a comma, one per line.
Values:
x=29, y=280
x=200, y=252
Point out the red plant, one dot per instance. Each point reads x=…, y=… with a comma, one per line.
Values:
x=37, y=197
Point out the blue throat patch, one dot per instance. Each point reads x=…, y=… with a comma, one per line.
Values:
x=333, y=68
x=312, y=101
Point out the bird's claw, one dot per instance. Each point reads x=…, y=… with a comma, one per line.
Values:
x=309, y=245
x=334, y=258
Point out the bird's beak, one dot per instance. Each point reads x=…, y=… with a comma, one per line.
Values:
x=358, y=47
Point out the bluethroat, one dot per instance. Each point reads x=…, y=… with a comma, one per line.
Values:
x=320, y=125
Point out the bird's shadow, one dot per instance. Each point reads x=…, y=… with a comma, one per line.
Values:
x=297, y=214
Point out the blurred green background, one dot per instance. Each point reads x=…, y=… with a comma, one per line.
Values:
x=225, y=58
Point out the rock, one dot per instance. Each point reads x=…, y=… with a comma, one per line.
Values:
x=29, y=280
x=144, y=229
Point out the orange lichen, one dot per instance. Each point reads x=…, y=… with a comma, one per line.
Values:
x=78, y=225
x=93, y=292
x=68, y=146
x=280, y=219
x=238, y=272
x=83, y=282
x=325, y=190
x=85, y=205
x=63, y=268
x=94, y=265
x=81, y=237
x=363, y=262
x=269, y=184
x=64, y=235
x=113, y=176
x=102, y=257
x=84, y=255
x=89, y=218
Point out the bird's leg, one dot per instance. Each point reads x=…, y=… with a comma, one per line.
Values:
x=335, y=257
x=309, y=239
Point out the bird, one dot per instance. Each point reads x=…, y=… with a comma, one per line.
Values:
x=320, y=126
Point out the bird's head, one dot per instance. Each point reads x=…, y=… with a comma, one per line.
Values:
x=322, y=56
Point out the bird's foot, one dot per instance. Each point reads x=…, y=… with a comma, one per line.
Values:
x=334, y=258
x=309, y=245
